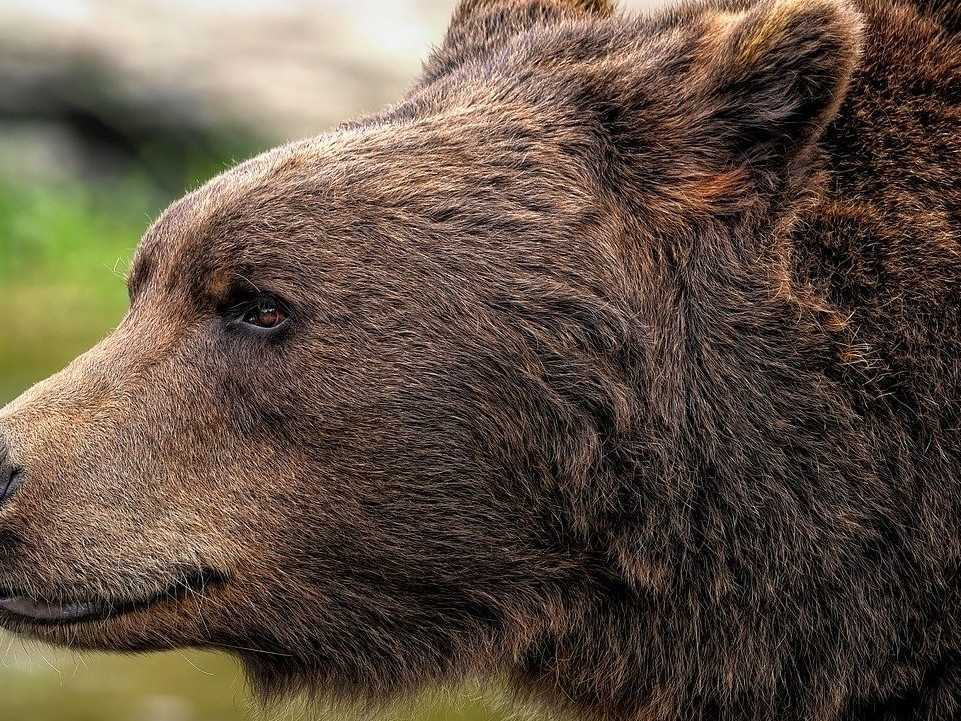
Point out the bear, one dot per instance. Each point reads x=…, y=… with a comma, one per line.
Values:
x=619, y=362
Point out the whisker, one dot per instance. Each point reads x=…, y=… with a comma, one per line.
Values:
x=195, y=666
x=252, y=650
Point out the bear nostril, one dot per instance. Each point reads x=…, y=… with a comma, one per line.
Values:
x=9, y=486
x=10, y=475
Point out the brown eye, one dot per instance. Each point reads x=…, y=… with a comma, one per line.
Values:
x=265, y=313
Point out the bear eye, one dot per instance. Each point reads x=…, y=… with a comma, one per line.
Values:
x=265, y=312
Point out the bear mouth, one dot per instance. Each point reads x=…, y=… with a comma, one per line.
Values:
x=43, y=612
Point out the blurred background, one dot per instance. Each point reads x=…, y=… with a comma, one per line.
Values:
x=110, y=109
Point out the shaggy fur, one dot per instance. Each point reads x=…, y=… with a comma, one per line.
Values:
x=623, y=362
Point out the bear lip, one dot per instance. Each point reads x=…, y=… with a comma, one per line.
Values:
x=39, y=612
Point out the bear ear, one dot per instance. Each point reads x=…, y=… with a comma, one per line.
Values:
x=775, y=75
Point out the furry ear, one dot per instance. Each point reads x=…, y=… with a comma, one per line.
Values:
x=775, y=75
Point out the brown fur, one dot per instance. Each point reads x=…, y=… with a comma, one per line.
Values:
x=623, y=362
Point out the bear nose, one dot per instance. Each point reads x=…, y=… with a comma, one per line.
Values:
x=10, y=475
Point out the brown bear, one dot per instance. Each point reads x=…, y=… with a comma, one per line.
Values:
x=620, y=361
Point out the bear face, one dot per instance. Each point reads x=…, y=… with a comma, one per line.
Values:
x=386, y=403
x=291, y=424
x=321, y=422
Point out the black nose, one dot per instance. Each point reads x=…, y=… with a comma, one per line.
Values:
x=10, y=475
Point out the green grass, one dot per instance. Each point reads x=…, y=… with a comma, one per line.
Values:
x=64, y=250
x=63, y=253
x=44, y=684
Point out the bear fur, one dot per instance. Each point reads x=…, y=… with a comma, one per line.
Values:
x=622, y=362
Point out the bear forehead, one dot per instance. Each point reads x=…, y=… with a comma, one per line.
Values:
x=390, y=178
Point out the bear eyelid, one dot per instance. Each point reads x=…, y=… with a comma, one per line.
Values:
x=256, y=312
